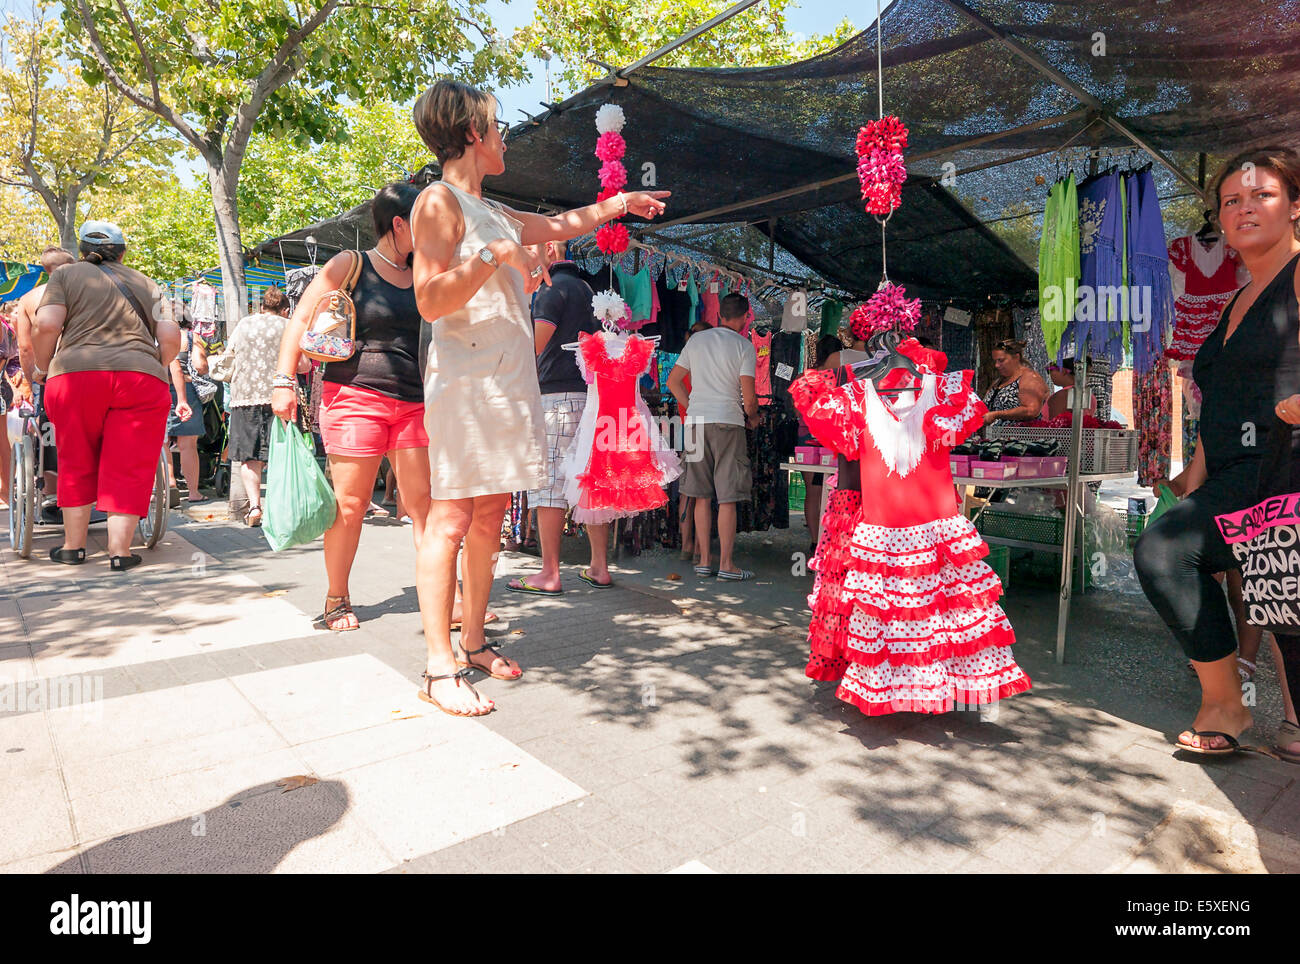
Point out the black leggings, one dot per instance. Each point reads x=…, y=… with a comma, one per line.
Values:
x=1176, y=561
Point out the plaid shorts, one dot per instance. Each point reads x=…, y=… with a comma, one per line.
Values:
x=561, y=412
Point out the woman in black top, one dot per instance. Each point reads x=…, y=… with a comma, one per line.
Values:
x=1019, y=392
x=373, y=402
x=1248, y=371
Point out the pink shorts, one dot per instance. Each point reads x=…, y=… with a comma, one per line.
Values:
x=357, y=422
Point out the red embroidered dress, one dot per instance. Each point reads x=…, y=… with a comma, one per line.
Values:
x=618, y=463
x=1204, y=281
x=915, y=620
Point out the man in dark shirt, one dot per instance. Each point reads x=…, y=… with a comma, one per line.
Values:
x=561, y=311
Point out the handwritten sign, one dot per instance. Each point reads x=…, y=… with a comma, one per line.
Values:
x=1265, y=540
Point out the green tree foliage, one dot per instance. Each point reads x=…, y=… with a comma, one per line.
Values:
x=619, y=32
x=218, y=69
x=60, y=137
x=284, y=188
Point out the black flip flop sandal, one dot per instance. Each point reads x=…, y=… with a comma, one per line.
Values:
x=586, y=577
x=1232, y=747
x=524, y=587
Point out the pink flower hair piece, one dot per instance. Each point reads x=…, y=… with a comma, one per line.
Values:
x=887, y=309
x=610, y=146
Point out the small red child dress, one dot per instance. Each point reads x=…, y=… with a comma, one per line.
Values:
x=618, y=463
x=1204, y=280
x=925, y=633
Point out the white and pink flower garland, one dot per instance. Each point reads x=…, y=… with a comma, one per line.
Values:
x=611, y=238
x=881, y=173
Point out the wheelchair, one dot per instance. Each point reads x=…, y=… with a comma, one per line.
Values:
x=27, y=485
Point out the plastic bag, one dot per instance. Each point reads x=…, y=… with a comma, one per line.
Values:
x=299, y=499
x=1166, y=501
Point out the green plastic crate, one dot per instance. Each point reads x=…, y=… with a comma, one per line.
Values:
x=999, y=559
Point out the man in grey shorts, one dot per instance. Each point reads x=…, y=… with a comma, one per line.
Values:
x=721, y=404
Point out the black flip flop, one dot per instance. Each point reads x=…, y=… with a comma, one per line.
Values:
x=1232, y=747
x=525, y=588
x=585, y=577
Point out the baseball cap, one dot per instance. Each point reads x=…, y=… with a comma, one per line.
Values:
x=101, y=232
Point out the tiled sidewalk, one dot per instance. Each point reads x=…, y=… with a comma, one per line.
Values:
x=662, y=725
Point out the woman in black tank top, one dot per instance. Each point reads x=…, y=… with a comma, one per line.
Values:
x=373, y=402
x=1248, y=372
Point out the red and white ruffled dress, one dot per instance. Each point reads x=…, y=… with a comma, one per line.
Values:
x=915, y=620
x=1204, y=281
x=619, y=462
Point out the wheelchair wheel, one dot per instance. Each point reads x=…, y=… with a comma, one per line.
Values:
x=153, y=524
x=22, y=497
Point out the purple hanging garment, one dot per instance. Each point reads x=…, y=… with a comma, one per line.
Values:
x=1151, y=293
x=1101, y=269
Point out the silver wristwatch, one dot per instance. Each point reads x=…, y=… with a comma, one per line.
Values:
x=487, y=257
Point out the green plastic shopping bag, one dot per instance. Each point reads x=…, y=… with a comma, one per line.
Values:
x=299, y=500
x=1164, y=503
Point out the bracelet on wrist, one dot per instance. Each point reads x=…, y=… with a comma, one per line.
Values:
x=622, y=197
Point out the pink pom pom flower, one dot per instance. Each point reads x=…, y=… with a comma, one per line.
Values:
x=613, y=175
x=881, y=170
x=887, y=309
x=612, y=238
x=610, y=146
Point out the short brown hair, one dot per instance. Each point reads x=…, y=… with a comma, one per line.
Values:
x=445, y=114
x=55, y=257
x=1282, y=161
x=733, y=306
x=274, y=300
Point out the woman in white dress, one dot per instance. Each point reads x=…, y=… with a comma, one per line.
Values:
x=473, y=274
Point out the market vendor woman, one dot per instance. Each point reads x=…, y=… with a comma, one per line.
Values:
x=1018, y=393
x=473, y=274
x=1248, y=371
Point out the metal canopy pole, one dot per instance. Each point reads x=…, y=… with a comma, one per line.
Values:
x=1061, y=80
x=912, y=158
x=1073, y=499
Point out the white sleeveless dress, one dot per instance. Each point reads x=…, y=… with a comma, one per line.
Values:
x=482, y=404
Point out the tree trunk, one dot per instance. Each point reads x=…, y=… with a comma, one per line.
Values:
x=67, y=218
x=229, y=247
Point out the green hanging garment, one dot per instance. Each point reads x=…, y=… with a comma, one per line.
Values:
x=832, y=313
x=1058, y=263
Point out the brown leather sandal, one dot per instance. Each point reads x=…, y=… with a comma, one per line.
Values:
x=344, y=608
x=426, y=693
x=490, y=648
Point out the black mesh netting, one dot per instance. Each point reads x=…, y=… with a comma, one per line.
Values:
x=1188, y=76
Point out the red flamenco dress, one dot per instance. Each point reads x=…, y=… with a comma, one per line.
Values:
x=915, y=620
x=618, y=463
